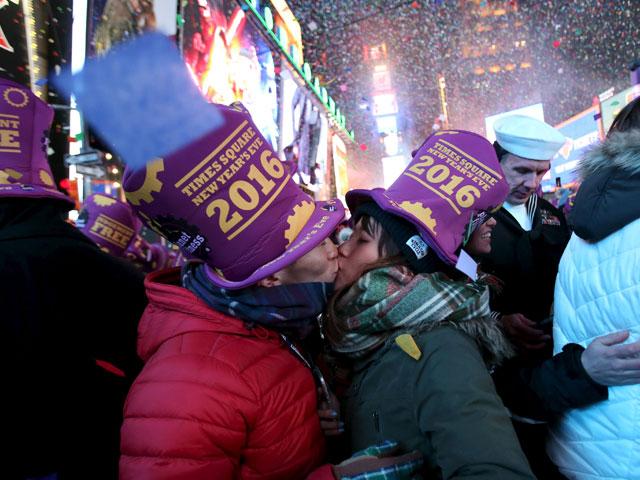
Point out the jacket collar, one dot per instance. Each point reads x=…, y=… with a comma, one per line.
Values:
x=174, y=310
x=532, y=212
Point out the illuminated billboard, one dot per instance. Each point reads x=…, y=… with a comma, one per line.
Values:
x=385, y=104
x=535, y=111
x=14, y=54
x=339, y=151
x=581, y=131
x=392, y=167
x=231, y=61
x=381, y=80
x=391, y=144
x=387, y=124
x=113, y=21
x=612, y=106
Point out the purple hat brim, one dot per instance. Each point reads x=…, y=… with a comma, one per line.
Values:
x=19, y=190
x=309, y=237
x=355, y=198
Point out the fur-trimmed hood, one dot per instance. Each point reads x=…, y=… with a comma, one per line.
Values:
x=488, y=335
x=620, y=151
x=608, y=197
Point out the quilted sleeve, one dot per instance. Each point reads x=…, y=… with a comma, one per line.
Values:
x=286, y=440
x=185, y=418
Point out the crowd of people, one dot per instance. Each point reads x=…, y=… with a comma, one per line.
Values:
x=459, y=326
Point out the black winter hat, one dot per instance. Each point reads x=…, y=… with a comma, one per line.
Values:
x=421, y=257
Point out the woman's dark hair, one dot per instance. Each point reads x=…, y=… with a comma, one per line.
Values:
x=387, y=249
x=390, y=255
x=386, y=245
x=627, y=119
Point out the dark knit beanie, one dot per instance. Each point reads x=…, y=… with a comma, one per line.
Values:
x=500, y=152
x=421, y=257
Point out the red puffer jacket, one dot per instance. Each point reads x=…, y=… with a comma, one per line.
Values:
x=215, y=400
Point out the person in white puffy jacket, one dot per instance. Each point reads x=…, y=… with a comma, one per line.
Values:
x=598, y=292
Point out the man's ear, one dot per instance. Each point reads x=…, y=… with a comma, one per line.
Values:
x=270, y=281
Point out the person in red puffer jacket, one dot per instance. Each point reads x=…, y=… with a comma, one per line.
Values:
x=215, y=399
x=226, y=392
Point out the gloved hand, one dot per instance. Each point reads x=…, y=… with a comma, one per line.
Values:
x=380, y=462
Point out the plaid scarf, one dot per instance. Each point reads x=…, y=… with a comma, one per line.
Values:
x=288, y=309
x=388, y=300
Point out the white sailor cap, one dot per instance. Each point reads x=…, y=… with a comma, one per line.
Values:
x=528, y=137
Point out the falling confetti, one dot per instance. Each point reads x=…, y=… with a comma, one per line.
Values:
x=567, y=52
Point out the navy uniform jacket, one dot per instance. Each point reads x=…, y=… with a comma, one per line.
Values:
x=527, y=262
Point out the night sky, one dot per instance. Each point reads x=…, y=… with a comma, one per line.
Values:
x=575, y=49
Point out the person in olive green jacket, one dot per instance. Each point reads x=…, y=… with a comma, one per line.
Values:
x=419, y=333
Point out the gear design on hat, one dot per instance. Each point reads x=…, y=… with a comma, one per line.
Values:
x=187, y=236
x=422, y=213
x=9, y=174
x=46, y=178
x=25, y=97
x=103, y=200
x=151, y=184
x=301, y=214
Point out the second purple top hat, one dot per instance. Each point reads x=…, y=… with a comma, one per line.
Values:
x=453, y=175
x=109, y=222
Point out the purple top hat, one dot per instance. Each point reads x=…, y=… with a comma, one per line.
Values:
x=138, y=249
x=159, y=257
x=228, y=199
x=453, y=175
x=24, y=135
x=109, y=222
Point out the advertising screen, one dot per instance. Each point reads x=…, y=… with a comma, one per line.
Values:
x=14, y=57
x=339, y=151
x=581, y=131
x=112, y=21
x=287, y=124
x=391, y=144
x=381, y=80
x=392, y=167
x=534, y=111
x=612, y=106
x=385, y=104
x=231, y=61
x=387, y=124
x=303, y=131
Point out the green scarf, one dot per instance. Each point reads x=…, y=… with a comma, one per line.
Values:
x=391, y=300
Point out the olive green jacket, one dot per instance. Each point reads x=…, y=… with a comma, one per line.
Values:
x=443, y=404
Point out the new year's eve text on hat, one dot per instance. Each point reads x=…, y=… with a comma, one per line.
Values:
x=244, y=195
x=9, y=133
x=436, y=173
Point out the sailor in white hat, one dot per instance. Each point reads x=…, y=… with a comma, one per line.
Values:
x=531, y=234
x=526, y=246
x=525, y=147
